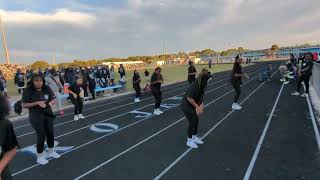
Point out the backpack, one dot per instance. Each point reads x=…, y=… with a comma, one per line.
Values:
x=18, y=107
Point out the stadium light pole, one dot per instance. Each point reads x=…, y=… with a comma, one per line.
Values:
x=4, y=42
x=163, y=51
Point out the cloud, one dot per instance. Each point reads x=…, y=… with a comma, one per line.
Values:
x=79, y=29
x=58, y=16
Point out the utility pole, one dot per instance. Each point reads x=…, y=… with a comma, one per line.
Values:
x=163, y=51
x=53, y=60
x=4, y=42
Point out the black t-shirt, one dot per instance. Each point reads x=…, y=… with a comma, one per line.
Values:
x=194, y=93
x=134, y=79
x=76, y=89
x=19, y=78
x=122, y=72
x=306, y=64
x=91, y=75
x=8, y=141
x=31, y=95
x=191, y=69
x=236, y=70
x=154, y=78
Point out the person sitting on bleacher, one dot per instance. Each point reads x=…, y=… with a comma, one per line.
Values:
x=284, y=72
x=105, y=74
x=292, y=67
x=19, y=81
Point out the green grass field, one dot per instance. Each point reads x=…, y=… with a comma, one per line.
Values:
x=170, y=74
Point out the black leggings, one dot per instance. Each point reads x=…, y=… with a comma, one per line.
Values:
x=78, y=105
x=237, y=88
x=193, y=123
x=138, y=90
x=157, y=94
x=92, y=87
x=305, y=79
x=43, y=126
x=85, y=90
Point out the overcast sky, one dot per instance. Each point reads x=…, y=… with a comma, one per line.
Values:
x=87, y=29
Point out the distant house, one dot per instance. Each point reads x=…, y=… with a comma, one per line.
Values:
x=160, y=63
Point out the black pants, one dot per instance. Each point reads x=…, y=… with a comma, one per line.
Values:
x=305, y=79
x=237, y=88
x=157, y=94
x=193, y=123
x=78, y=105
x=92, y=87
x=138, y=90
x=43, y=126
x=191, y=80
x=20, y=91
x=85, y=90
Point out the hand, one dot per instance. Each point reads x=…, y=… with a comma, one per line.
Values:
x=199, y=110
x=246, y=76
x=42, y=104
x=75, y=96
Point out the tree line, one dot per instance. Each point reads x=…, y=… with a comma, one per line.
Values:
x=146, y=59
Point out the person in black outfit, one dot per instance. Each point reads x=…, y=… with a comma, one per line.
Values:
x=85, y=84
x=236, y=81
x=155, y=83
x=146, y=73
x=136, y=85
x=191, y=72
x=39, y=99
x=122, y=73
x=40, y=73
x=19, y=81
x=8, y=140
x=305, y=73
x=76, y=97
x=92, y=82
x=192, y=106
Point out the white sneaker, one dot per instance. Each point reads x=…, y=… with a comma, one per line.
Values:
x=286, y=82
x=53, y=154
x=295, y=94
x=282, y=80
x=235, y=106
x=304, y=95
x=41, y=159
x=290, y=77
x=136, y=100
x=191, y=143
x=76, y=118
x=197, y=140
x=161, y=112
x=156, y=112
x=81, y=116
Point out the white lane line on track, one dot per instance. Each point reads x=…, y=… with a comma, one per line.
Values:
x=260, y=143
x=313, y=119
